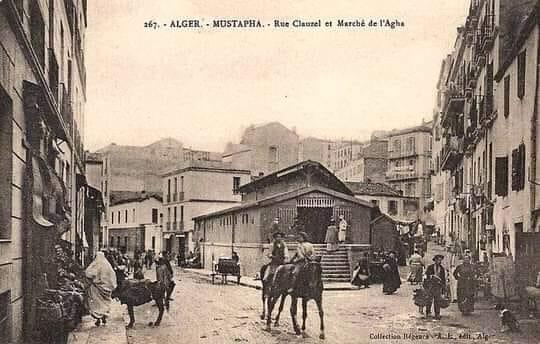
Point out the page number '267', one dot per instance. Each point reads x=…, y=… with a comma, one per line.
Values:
x=151, y=24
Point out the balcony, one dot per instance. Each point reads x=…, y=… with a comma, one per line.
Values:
x=452, y=153
x=454, y=106
x=168, y=226
x=181, y=196
x=404, y=153
x=488, y=33
x=174, y=197
x=402, y=173
x=173, y=228
x=168, y=198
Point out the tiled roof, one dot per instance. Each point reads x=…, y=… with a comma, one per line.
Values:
x=119, y=197
x=373, y=189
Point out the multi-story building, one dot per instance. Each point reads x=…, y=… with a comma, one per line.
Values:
x=134, y=222
x=194, y=188
x=314, y=149
x=42, y=98
x=369, y=165
x=138, y=168
x=263, y=149
x=344, y=152
x=487, y=128
x=409, y=162
x=389, y=200
x=93, y=205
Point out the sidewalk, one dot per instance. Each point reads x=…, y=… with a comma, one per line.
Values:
x=247, y=281
x=114, y=332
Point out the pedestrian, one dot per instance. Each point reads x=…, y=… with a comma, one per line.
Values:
x=466, y=285
x=304, y=254
x=416, y=265
x=435, y=284
x=391, y=279
x=331, y=238
x=278, y=256
x=342, y=229
x=138, y=268
x=361, y=272
x=102, y=283
x=165, y=276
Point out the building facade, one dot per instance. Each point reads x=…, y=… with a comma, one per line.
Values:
x=263, y=149
x=42, y=97
x=314, y=149
x=194, y=188
x=370, y=164
x=486, y=159
x=409, y=162
x=134, y=223
x=389, y=200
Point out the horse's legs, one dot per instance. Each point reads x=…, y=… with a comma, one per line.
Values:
x=321, y=315
x=294, y=306
x=131, y=316
x=271, y=303
x=304, y=313
x=263, y=297
x=159, y=303
x=282, y=301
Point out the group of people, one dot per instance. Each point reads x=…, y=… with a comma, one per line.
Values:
x=434, y=281
x=107, y=272
x=336, y=234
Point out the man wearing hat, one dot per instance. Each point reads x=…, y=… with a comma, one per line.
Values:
x=435, y=284
x=278, y=255
x=304, y=253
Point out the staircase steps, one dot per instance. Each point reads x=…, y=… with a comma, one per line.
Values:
x=335, y=265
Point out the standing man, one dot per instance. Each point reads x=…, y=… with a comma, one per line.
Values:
x=304, y=254
x=342, y=235
x=435, y=284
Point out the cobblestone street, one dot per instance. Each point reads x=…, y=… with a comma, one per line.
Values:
x=206, y=313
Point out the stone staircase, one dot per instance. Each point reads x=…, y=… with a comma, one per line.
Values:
x=335, y=265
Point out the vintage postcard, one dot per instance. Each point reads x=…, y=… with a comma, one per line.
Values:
x=188, y=171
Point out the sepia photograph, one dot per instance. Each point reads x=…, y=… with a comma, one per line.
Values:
x=269, y=172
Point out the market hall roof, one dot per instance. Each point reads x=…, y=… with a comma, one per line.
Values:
x=303, y=167
x=284, y=197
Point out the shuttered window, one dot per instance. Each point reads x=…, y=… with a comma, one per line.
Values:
x=518, y=168
x=501, y=176
x=522, y=58
x=507, y=96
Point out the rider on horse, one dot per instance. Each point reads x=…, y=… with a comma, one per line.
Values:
x=304, y=254
x=278, y=255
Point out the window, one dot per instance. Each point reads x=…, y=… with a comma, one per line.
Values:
x=168, y=190
x=154, y=215
x=118, y=216
x=396, y=145
x=375, y=202
x=506, y=110
x=37, y=33
x=501, y=176
x=181, y=213
x=273, y=154
x=181, y=183
x=126, y=216
x=126, y=242
x=118, y=241
x=153, y=242
x=410, y=145
x=6, y=161
x=392, y=207
x=112, y=241
x=518, y=168
x=174, y=214
x=236, y=184
x=168, y=214
x=133, y=215
x=522, y=59
x=5, y=300
x=112, y=217
x=53, y=74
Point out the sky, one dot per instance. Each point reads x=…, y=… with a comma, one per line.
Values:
x=204, y=86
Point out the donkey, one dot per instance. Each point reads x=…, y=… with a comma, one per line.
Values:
x=309, y=286
x=138, y=292
x=265, y=290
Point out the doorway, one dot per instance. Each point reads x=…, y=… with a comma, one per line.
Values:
x=316, y=221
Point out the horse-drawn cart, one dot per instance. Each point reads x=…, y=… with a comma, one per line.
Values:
x=225, y=267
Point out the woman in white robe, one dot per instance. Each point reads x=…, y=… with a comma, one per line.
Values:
x=102, y=282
